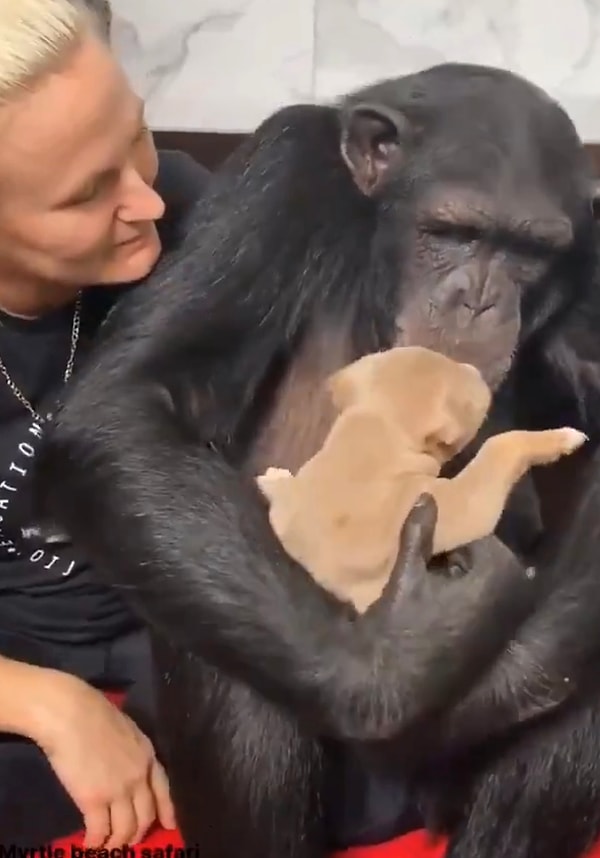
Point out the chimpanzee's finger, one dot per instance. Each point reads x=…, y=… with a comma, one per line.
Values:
x=416, y=536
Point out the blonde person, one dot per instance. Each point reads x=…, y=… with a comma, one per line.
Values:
x=86, y=209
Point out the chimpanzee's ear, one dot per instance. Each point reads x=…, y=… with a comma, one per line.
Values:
x=371, y=143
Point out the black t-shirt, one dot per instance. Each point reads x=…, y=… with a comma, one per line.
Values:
x=47, y=589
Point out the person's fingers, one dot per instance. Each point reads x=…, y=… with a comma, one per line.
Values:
x=145, y=810
x=162, y=796
x=123, y=822
x=96, y=821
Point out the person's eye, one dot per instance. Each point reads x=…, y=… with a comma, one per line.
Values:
x=144, y=130
x=96, y=188
x=88, y=194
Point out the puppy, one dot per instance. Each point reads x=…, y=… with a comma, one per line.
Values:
x=403, y=414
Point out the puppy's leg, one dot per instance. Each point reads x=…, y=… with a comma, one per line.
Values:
x=470, y=505
x=271, y=481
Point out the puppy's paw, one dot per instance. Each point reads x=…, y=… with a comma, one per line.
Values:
x=272, y=478
x=272, y=474
x=570, y=440
x=552, y=444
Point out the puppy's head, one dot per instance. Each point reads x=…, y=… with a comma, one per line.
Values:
x=437, y=402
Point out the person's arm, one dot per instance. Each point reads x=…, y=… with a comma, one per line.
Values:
x=108, y=767
x=22, y=702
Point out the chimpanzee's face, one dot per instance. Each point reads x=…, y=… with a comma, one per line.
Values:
x=489, y=197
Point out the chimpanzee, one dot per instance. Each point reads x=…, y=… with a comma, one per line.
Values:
x=452, y=208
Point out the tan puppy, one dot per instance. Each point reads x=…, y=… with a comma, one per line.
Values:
x=403, y=414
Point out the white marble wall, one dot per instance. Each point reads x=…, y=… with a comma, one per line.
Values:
x=223, y=65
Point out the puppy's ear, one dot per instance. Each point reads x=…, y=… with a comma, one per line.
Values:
x=446, y=436
x=341, y=388
x=470, y=409
x=347, y=384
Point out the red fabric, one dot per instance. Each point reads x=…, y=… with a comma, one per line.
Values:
x=414, y=845
x=417, y=844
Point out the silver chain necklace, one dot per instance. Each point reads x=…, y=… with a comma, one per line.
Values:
x=68, y=370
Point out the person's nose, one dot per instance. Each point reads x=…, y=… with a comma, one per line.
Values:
x=140, y=202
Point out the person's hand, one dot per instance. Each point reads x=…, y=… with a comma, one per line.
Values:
x=105, y=763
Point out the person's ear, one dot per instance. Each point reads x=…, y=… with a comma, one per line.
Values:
x=372, y=143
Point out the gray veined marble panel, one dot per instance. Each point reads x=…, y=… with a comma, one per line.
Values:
x=225, y=64
x=555, y=43
x=220, y=65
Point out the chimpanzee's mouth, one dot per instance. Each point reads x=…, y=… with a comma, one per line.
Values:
x=488, y=347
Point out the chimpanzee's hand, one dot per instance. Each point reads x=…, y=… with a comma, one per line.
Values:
x=424, y=645
x=415, y=550
x=415, y=558
x=416, y=538
x=455, y=590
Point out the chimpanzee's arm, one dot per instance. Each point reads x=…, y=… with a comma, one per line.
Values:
x=139, y=466
x=556, y=651
x=551, y=656
x=558, y=383
x=188, y=542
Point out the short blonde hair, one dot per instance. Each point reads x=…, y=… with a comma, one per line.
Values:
x=36, y=36
x=103, y=10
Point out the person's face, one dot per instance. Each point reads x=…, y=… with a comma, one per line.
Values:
x=77, y=165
